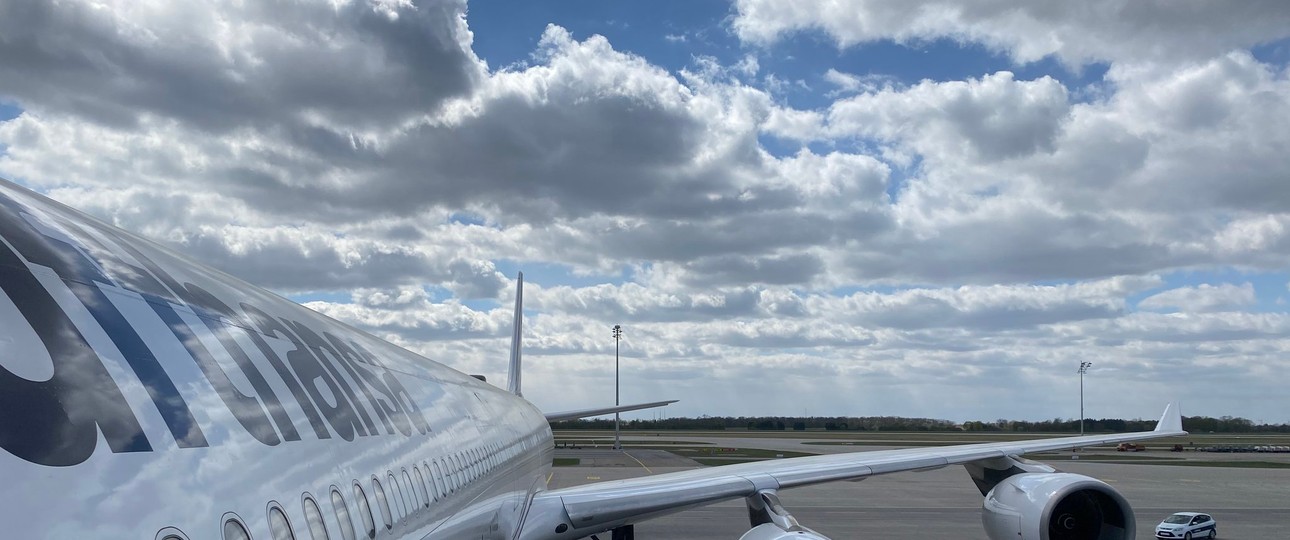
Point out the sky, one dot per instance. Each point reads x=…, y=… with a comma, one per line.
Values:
x=925, y=208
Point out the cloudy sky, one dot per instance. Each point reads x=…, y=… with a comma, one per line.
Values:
x=922, y=208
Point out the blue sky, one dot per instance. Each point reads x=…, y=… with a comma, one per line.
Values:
x=853, y=191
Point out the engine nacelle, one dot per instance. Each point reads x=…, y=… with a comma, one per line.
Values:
x=768, y=531
x=1056, y=506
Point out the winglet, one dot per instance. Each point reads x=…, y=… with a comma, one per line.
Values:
x=1171, y=420
x=514, y=384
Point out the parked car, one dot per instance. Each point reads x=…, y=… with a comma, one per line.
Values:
x=1187, y=526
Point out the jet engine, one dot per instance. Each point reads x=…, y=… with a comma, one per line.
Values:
x=769, y=531
x=1056, y=506
x=771, y=521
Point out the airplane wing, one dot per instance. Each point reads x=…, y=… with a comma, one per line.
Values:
x=584, y=413
x=604, y=506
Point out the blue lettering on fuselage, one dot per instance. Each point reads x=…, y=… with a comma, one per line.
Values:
x=56, y=422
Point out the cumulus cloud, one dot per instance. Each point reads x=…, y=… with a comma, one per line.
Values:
x=995, y=308
x=992, y=118
x=1201, y=298
x=945, y=230
x=849, y=82
x=225, y=66
x=1077, y=33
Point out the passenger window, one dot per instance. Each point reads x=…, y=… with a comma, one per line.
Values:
x=421, y=486
x=364, y=511
x=437, y=480
x=449, y=474
x=171, y=533
x=279, y=526
x=342, y=515
x=430, y=482
x=234, y=530
x=413, y=501
x=314, y=519
x=382, y=503
x=396, y=492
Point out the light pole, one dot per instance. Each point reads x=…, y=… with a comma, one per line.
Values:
x=618, y=334
x=1083, y=368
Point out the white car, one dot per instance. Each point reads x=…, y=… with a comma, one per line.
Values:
x=1187, y=525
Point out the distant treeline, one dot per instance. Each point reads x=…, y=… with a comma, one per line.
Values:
x=1194, y=424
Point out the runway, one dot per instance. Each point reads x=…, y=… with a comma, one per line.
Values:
x=1247, y=503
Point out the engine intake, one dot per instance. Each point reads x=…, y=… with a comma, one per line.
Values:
x=1056, y=506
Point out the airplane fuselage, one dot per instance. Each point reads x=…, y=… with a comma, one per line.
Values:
x=144, y=395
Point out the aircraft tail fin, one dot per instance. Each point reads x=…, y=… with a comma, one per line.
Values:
x=1171, y=420
x=513, y=385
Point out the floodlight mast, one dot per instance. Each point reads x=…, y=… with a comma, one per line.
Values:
x=618, y=335
x=1083, y=368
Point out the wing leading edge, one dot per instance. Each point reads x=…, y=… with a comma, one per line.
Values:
x=597, y=507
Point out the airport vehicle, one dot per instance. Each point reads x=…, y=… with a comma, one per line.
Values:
x=1187, y=525
x=1130, y=447
x=146, y=396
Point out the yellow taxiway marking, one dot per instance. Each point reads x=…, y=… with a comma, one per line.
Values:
x=638, y=461
x=548, y=478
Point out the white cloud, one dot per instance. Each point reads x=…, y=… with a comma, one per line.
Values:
x=227, y=65
x=850, y=83
x=994, y=227
x=795, y=124
x=1202, y=298
x=1077, y=33
x=991, y=118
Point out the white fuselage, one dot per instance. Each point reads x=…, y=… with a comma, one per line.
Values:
x=143, y=395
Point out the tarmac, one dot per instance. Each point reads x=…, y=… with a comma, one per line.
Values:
x=1248, y=504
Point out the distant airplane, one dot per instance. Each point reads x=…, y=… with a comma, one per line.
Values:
x=146, y=396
